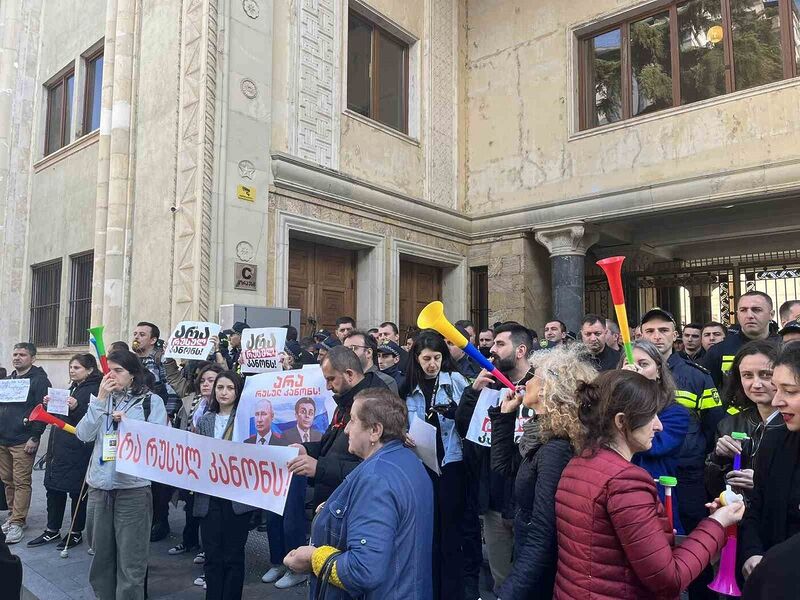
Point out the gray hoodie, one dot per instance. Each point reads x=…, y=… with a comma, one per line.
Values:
x=96, y=423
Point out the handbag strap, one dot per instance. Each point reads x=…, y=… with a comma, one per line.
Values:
x=324, y=576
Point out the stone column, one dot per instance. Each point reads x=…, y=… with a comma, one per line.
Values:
x=567, y=245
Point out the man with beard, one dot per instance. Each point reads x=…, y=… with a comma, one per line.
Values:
x=593, y=334
x=485, y=341
x=490, y=493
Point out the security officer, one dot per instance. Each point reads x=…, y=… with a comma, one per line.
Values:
x=754, y=310
x=696, y=391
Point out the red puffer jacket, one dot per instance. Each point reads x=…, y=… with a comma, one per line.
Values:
x=614, y=540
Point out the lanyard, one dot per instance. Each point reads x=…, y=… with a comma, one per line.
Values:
x=432, y=410
x=123, y=407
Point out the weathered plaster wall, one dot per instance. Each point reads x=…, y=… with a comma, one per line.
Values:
x=521, y=147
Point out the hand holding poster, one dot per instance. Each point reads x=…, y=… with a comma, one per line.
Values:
x=190, y=340
x=480, y=427
x=14, y=390
x=288, y=407
x=57, y=401
x=252, y=475
x=262, y=349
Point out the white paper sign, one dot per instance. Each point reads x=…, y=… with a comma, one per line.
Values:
x=262, y=349
x=292, y=405
x=424, y=436
x=57, y=401
x=480, y=427
x=246, y=473
x=14, y=390
x=190, y=340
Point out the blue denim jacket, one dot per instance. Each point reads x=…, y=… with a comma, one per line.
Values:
x=381, y=518
x=451, y=385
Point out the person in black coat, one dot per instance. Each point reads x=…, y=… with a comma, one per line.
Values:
x=68, y=457
x=774, y=512
x=329, y=461
x=546, y=446
x=776, y=576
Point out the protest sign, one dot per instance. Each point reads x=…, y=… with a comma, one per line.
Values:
x=289, y=405
x=190, y=340
x=57, y=401
x=14, y=390
x=480, y=427
x=424, y=436
x=262, y=349
x=253, y=475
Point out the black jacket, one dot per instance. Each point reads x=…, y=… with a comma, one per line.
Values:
x=719, y=357
x=494, y=490
x=334, y=462
x=13, y=430
x=765, y=521
x=607, y=360
x=67, y=456
x=10, y=571
x=775, y=578
x=537, y=475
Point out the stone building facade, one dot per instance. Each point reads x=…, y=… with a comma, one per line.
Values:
x=226, y=136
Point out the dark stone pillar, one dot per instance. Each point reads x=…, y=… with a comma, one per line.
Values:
x=567, y=245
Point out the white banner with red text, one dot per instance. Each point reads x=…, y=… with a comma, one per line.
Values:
x=246, y=473
x=480, y=427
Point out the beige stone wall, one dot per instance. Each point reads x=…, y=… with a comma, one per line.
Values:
x=522, y=147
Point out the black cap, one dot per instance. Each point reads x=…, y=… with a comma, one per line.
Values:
x=331, y=342
x=657, y=313
x=389, y=348
x=322, y=335
x=293, y=348
x=791, y=327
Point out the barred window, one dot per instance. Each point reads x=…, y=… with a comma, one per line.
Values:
x=80, y=299
x=45, y=298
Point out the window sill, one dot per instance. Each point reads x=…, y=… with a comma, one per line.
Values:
x=59, y=353
x=381, y=127
x=73, y=147
x=679, y=110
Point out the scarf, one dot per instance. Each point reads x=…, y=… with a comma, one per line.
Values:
x=530, y=437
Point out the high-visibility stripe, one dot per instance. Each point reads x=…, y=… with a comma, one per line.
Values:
x=686, y=398
x=727, y=362
x=710, y=399
x=733, y=411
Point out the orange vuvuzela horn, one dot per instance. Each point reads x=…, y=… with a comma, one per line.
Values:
x=612, y=267
x=40, y=414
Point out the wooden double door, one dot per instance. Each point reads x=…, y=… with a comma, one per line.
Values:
x=419, y=285
x=322, y=284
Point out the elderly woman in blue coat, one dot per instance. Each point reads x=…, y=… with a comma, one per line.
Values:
x=372, y=538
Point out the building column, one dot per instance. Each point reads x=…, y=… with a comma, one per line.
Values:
x=567, y=245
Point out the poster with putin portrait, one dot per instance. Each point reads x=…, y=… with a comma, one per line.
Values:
x=283, y=408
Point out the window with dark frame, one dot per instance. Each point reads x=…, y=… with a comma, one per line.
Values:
x=377, y=73
x=58, y=129
x=93, y=92
x=80, y=299
x=684, y=51
x=45, y=300
x=479, y=305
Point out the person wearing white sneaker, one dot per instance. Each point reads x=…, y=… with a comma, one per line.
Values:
x=290, y=580
x=275, y=572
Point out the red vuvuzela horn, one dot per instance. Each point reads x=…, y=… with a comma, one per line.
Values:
x=40, y=414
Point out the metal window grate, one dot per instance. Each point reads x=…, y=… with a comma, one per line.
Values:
x=80, y=299
x=45, y=299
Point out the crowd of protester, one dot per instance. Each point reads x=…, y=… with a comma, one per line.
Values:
x=566, y=501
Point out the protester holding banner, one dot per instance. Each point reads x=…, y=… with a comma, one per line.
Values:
x=328, y=461
x=547, y=444
x=195, y=395
x=68, y=457
x=371, y=539
x=435, y=386
x=19, y=440
x=121, y=505
x=224, y=524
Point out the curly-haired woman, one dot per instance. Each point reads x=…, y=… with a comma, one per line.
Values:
x=546, y=446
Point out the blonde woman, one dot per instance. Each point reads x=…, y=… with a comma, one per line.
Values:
x=547, y=444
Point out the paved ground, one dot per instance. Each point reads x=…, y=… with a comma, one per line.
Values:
x=47, y=576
